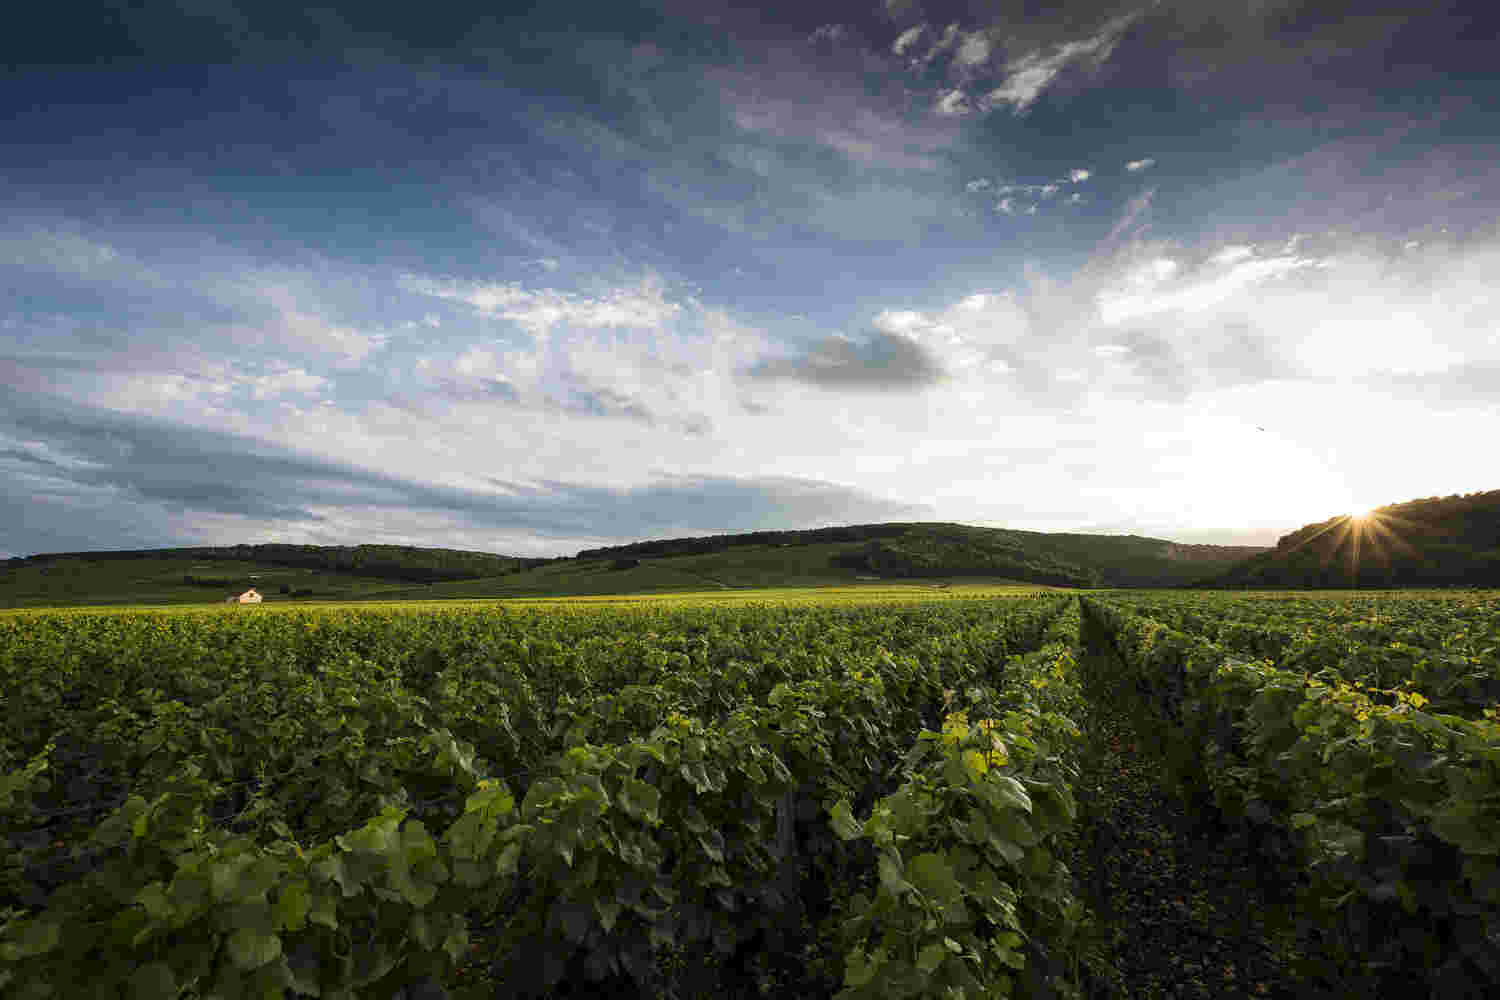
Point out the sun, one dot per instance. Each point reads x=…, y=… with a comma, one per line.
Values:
x=1363, y=514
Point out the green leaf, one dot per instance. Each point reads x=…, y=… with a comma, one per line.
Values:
x=154, y=981
x=378, y=836
x=324, y=911
x=845, y=826
x=422, y=930
x=858, y=969
x=154, y=899
x=890, y=874
x=333, y=869
x=640, y=800
x=37, y=937
x=456, y=944
x=1010, y=851
x=292, y=904
x=609, y=912
x=712, y=843
x=250, y=948
x=506, y=864
x=1464, y=825
x=932, y=874
x=225, y=877
x=1007, y=791
x=932, y=956
x=1300, y=820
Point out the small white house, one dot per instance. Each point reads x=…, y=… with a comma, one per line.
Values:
x=251, y=596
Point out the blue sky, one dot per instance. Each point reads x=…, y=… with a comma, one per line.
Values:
x=536, y=281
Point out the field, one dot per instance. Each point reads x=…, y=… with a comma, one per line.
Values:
x=166, y=581
x=748, y=573
x=874, y=592
x=873, y=790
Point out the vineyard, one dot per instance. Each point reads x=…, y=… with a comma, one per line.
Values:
x=913, y=798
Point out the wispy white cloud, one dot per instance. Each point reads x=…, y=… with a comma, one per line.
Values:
x=538, y=311
x=842, y=119
x=1129, y=222
x=296, y=380
x=907, y=39
x=954, y=102
x=974, y=49
x=299, y=321
x=1144, y=294
x=1031, y=74
x=1233, y=254
x=937, y=43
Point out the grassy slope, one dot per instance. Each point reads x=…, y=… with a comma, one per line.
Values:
x=922, y=555
x=744, y=567
x=160, y=581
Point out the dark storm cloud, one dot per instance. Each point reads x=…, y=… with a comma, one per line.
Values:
x=81, y=478
x=883, y=361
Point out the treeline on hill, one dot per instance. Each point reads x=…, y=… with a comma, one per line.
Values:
x=719, y=543
x=1429, y=542
x=1133, y=560
x=936, y=549
x=391, y=562
x=1064, y=560
x=954, y=550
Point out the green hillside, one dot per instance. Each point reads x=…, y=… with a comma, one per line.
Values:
x=849, y=554
x=1429, y=542
x=931, y=552
x=200, y=574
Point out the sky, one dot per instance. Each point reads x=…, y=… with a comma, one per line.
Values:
x=533, y=280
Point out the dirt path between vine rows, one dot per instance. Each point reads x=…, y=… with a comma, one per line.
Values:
x=1185, y=912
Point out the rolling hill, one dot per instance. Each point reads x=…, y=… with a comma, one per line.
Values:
x=204, y=573
x=1436, y=541
x=927, y=552
x=1433, y=541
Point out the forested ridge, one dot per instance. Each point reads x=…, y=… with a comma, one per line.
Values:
x=1432, y=541
x=394, y=562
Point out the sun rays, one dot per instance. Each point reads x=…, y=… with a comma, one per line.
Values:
x=1362, y=539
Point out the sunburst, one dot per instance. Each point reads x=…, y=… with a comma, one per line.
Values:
x=1367, y=534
